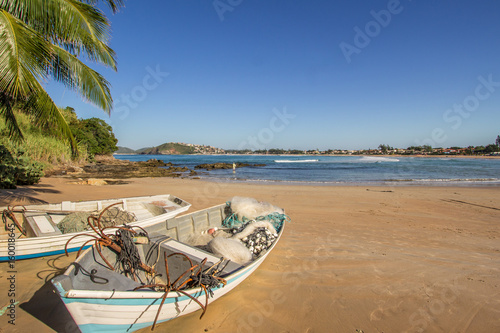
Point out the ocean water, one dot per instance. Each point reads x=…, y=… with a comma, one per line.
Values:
x=344, y=170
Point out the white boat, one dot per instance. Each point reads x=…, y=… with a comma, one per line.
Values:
x=43, y=237
x=102, y=300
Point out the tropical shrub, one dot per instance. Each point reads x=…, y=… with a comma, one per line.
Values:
x=40, y=143
x=18, y=169
x=96, y=135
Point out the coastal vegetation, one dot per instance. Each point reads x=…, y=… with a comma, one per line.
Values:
x=42, y=41
x=172, y=148
x=93, y=133
x=24, y=161
x=17, y=169
x=169, y=148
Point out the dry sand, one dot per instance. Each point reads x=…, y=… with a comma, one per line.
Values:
x=353, y=259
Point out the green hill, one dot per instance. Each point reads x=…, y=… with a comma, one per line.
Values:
x=124, y=150
x=170, y=148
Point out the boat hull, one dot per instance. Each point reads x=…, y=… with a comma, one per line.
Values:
x=132, y=310
x=126, y=310
x=33, y=247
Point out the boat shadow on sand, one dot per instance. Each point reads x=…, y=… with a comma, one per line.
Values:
x=48, y=308
x=45, y=305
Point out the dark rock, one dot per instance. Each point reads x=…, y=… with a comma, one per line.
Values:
x=154, y=163
x=119, y=169
x=178, y=169
x=211, y=166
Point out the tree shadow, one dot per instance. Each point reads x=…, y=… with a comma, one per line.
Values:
x=25, y=195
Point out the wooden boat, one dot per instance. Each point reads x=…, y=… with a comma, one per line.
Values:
x=102, y=300
x=44, y=237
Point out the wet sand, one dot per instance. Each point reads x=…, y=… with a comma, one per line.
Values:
x=372, y=259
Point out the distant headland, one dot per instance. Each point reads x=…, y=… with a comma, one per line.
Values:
x=179, y=148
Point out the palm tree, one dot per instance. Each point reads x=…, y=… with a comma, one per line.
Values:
x=42, y=39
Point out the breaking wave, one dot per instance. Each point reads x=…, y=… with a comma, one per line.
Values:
x=375, y=159
x=295, y=161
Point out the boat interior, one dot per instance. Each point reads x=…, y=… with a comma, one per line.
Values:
x=44, y=220
x=169, y=239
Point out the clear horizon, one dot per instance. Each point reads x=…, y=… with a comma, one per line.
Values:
x=301, y=75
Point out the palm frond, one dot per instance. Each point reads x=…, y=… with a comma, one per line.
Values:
x=75, y=74
x=25, y=59
x=77, y=26
x=7, y=112
x=90, y=33
x=42, y=38
x=45, y=111
x=115, y=5
x=95, y=50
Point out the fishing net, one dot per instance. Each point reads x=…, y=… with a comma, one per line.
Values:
x=76, y=222
x=230, y=249
x=241, y=211
x=251, y=208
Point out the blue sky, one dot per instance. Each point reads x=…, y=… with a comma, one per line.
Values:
x=303, y=74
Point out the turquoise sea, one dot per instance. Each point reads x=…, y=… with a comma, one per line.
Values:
x=344, y=170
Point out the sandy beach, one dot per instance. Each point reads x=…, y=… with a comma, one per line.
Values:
x=353, y=259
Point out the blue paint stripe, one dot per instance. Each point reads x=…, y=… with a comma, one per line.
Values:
x=42, y=254
x=91, y=328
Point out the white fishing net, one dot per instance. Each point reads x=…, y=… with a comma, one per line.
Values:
x=251, y=208
x=231, y=249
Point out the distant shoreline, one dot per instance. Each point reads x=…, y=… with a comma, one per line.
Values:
x=438, y=156
x=315, y=155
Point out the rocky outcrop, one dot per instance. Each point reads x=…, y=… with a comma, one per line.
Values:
x=154, y=163
x=120, y=169
x=111, y=169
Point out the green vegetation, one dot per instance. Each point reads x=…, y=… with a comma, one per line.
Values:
x=169, y=148
x=43, y=40
x=491, y=148
x=384, y=148
x=43, y=149
x=40, y=144
x=39, y=41
x=18, y=169
x=96, y=135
